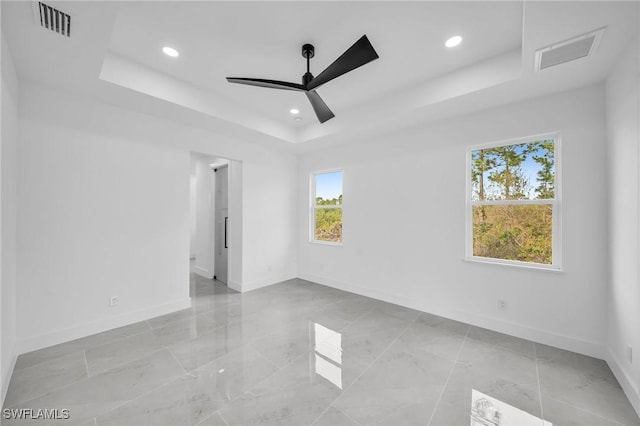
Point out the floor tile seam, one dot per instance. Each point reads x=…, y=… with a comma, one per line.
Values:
x=569, y=366
x=278, y=369
x=213, y=330
x=48, y=359
x=222, y=417
x=446, y=383
x=136, y=398
x=367, y=313
x=438, y=355
x=59, y=388
x=86, y=362
x=120, y=364
x=80, y=349
x=208, y=417
x=211, y=360
x=168, y=323
x=503, y=347
x=238, y=349
x=304, y=317
x=346, y=415
x=15, y=370
x=342, y=329
x=585, y=410
x=341, y=412
x=126, y=336
x=105, y=344
x=344, y=391
x=178, y=361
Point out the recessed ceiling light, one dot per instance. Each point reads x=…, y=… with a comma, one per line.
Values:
x=294, y=111
x=298, y=118
x=170, y=51
x=453, y=41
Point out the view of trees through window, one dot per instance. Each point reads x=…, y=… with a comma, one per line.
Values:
x=513, y=196
x=327, y=207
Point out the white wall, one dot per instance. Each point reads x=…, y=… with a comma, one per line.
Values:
x=98, y=216
x=622, y=98
x=8, y=180
x=404, y=224
x=84, y=163
x=269, y=217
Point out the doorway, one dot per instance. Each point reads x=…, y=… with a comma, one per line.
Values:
x=217, y=232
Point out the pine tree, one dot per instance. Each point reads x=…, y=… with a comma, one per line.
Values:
x=508, y=174
x=546, y=176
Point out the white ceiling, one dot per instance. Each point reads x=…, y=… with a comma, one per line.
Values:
x=263, y=40
x=115, y=54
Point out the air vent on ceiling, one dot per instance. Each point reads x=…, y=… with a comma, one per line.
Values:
x=569, y=50
x=52, y=19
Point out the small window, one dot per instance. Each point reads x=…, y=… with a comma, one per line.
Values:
x=514, y=202
x=326, y=211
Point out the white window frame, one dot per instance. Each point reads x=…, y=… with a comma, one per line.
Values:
x=556, y=203
x=313, y=208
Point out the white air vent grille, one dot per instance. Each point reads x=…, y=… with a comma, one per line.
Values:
x=569, y=50
x=52, y=19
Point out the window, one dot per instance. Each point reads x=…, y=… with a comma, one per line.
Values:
x=326, y=211
x=514, y=202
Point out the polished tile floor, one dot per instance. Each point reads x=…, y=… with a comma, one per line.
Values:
x=298, y=353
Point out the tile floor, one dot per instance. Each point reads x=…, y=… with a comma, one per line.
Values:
x=299, y=353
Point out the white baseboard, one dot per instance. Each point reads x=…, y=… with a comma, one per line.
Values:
x=6, y=377
x=518, y=330
x=233, y=285
x=625, y=380
x=263, y=283
x=203, y=272
x=71, y=333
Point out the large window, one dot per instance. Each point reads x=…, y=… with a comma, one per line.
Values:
x=326, y=207
x=513, y=213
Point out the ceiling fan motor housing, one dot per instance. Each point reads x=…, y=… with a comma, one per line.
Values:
x=308, y=51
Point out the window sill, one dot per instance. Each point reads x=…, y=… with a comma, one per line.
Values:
x=325, y=243
x=514, y=264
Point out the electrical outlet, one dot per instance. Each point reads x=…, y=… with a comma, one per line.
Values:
x=502, y=305
x=630, y=354
x=113, y=301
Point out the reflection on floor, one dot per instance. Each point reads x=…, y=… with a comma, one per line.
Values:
x=299, y=353
x=488, y=411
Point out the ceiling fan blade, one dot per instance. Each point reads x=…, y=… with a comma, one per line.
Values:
x=321, y=109
x=271, y=84
x=362, y=52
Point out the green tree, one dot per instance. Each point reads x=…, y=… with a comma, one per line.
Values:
x=482, y=163
x=546, y=175
x=507, y=173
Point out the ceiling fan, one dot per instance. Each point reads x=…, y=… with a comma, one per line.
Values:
x=359, y=54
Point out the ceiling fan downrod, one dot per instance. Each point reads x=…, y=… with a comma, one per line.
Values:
x=308, y=51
